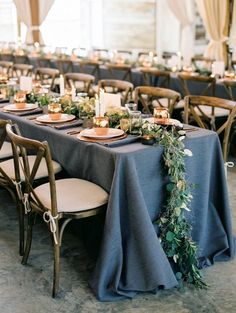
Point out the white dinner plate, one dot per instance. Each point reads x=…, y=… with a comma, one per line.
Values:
x=112, y=132
x=64, y=118
x=28, y=106
x=171, y=121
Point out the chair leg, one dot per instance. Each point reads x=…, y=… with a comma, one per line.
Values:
x=56, y=274
x=21, y=228
x=31, y=217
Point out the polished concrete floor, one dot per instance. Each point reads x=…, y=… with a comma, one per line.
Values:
x=27, y=289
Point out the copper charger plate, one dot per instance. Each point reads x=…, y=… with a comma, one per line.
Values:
x=83, y=138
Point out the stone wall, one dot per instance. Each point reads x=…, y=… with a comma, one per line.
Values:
x=129, y=24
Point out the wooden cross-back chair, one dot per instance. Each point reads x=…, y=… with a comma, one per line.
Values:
x=64, y=66
x=90, y=67
x=230, y=86
x=120, y=71
x=123, y=87
x=82, y=82
x=43, y=62
x=9, y=57
x=58, y=200
x=202, y=62
x=6, y=67
x=154, y=77
x=197, y=110
x=19, y=70
x=47, y=76
x=145, y=95
x=197, y=85
x=15, y=185
x=21, y=59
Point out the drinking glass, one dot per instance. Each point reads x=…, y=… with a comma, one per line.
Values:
x=135, y=122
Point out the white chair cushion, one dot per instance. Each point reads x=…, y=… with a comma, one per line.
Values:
x=6, y=150
x=8, y=167
x=73, y=195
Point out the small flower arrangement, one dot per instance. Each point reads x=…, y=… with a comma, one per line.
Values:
x=115, y=114
x=86, y=107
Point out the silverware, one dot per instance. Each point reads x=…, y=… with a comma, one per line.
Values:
x=73, y=132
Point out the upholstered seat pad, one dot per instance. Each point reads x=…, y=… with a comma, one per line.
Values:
x=73, y=195
x=8, y=167
x=6, y=150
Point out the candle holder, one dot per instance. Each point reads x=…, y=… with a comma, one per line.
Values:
x=125, y=124
x=54, y=111
x=101, y=125
x=161, y=115
x=148, y=140
x=20, y=100
x=135, y=122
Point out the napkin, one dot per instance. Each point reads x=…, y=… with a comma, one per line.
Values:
x=116, y=143
x=71, y=124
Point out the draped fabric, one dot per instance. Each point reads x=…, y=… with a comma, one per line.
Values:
x=24, y=13
x=214, y=15
x=44, y=7
x=32, y=13
x=183, y=10
x=232, y=37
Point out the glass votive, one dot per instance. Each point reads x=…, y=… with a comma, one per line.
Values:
x=125, y=124
x=161, y=115
x=101, y=125
x=54, y=111
x=148, y=140
x=135, y=122
x=131, y=106
x=20, y=100
x=230, y=74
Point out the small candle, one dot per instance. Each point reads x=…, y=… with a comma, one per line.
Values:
x=101, y=100
x=97, y=106
x=73, y=93
x=62, y=86
x=148, y=140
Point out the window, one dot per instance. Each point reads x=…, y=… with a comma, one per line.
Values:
x=8, y=21
x=78, y=24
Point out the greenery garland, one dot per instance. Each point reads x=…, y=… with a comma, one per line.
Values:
x=175, y=231
x=174, y=228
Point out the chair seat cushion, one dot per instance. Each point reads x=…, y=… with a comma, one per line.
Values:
x=6, y=150
x=8, y=167
x=73, y=195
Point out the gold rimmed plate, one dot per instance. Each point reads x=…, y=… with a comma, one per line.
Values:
x=112, y=133
x=13, y=108
x=64, y=118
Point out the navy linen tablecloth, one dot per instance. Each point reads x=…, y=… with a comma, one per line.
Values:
x=131, y=258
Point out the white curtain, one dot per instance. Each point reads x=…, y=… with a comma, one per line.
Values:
x=213, y=13
x=232, y=37
x=184, y=12
x=23, y=11
x=44, y=7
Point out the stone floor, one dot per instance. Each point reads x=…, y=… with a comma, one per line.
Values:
x=27, y=289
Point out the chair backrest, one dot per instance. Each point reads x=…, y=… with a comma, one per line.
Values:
x=22, y=148
x=91, y=67
x=19, y=70
x=21, y=59
x=7, y=57
x=120, y=71
x=47, y=75
x=199, y=62
x=230, y=86
x=86, y=79
x=197, y=110
x=42, y=62
x=146, y=94
x=64, y=66
x=6, y=67
x=3, y=133
x=197, y=85
x=123, y=87
x=154, y=77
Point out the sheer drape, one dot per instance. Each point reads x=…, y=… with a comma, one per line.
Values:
x=24, y=13
x=232, y=38
x=44, y=7
x=183, y=10
x=214, y=15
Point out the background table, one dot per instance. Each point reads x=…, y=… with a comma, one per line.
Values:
x=131, y=258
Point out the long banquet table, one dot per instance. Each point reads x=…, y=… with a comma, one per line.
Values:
x=131, y=258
